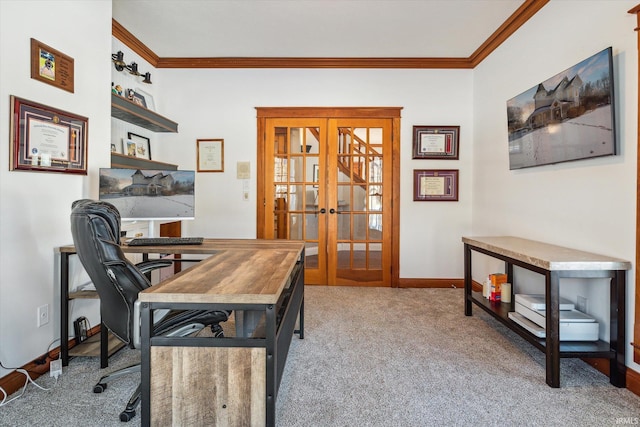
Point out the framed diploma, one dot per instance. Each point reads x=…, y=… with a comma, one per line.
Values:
x=45, y=139
x=436, y=142
x=210, y=155
x=435, y=185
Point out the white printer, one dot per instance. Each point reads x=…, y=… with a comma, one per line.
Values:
x=574, y=325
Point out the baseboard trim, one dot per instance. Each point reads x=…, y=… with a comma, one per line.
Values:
x=633, y=381
x=431, y=283
x=438, y=283
x=39, y=366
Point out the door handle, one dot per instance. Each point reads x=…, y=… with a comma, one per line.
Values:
x=333, y=211
x=323, y=210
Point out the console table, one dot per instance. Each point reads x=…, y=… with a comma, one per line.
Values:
x=554, y=263
x=231, y=380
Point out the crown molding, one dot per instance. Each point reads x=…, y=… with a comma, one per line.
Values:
x=515, y=21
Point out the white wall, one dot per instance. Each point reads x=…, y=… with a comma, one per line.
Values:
x=581, y=204
x=221, y=104
x=588, y=204
x=35, y=207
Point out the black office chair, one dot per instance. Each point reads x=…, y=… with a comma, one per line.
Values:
x=95, y=227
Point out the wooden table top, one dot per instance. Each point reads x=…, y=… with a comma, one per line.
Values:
x=240, y=272
x=547, y=256
x=243, y=271
x=208, y=246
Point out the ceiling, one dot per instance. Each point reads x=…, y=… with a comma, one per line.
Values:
x=317, y=28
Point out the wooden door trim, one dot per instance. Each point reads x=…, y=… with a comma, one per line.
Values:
x=636, y=324
x=263, y=113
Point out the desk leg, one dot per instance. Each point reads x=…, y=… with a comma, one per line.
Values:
x=300, y=331
x=467, y=280
x=552, y=299
x=64, y=308
x=146, y=321
x=104, y=346
x=617, y=365
x=272, y=365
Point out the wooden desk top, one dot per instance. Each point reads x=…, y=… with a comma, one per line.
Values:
x=209, y=246
x=241, y=272
x=544, y=255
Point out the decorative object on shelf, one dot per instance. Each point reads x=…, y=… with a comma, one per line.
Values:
x=117, y=89
x=141, y=146
x=148, y=98
x=46, y=139
x=210, y=155
x=120, y=65
x=436, y=142
x=51, y=66
x=136, y=98
x=435, y=185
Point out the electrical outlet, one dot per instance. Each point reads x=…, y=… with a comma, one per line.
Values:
x=55, y=368
x=582, y=304
x=43, y=315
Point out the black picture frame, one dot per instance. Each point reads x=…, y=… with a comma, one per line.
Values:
x=142, y=146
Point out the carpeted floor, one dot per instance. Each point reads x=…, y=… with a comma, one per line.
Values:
x=379, y=357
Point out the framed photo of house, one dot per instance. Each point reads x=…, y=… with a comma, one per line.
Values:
x=210, y=154
x=140, y=146
x=46, y=139
x=432, y=185
x=436, y=142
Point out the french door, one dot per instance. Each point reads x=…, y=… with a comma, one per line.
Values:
x=329, y=182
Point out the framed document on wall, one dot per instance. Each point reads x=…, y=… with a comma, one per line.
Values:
x=46, y=139
x=436, y=142
x=210, y=155
x=435, y=185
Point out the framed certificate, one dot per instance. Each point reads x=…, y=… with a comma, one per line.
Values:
x=436, y=142
x=435, y=185
x=210, y=155
x=46, y=139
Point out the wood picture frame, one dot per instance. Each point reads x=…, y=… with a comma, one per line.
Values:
x=141, y=146
x=210, y=155
x=46, y=139
x=51, y=66
x=431, y=185
x=436, y=142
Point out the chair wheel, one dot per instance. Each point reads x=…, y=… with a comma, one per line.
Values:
x=217, y=330
x=127, y=415
x=99, y=388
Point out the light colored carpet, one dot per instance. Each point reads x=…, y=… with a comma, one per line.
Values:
x=379, y=357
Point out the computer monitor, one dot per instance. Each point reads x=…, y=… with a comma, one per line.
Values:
x=144, y=194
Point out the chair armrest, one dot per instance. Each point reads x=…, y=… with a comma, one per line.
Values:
x=147, y=266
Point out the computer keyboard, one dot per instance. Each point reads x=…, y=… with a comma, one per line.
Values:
x=165, y=241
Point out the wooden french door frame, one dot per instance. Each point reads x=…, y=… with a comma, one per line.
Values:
x=392, y=113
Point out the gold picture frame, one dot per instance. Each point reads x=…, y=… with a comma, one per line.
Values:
x=210, y=155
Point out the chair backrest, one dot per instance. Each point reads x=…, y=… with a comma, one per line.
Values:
x=95, y=227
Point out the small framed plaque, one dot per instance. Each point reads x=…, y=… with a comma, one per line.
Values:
x=432, y=185
x=46, y=139
x=210, y=155
x=51, y=66
x=436, y=142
